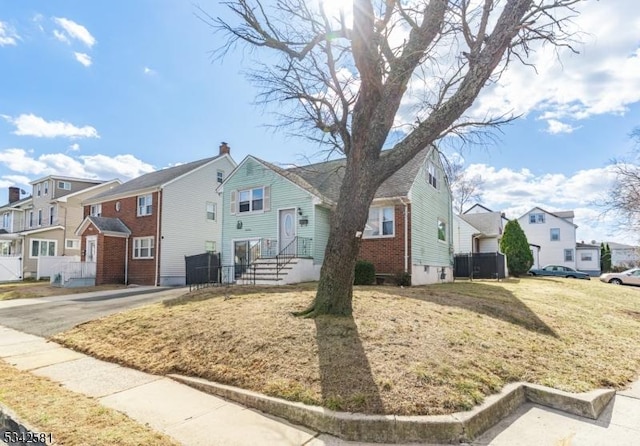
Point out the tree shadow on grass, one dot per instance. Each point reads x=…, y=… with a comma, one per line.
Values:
x=345, y=374
x=488, y=300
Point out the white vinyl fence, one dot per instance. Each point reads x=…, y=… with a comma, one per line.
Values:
x=50, y=266
x=10, y=269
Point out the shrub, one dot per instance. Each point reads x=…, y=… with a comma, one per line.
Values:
x=403, y=278
x=515, y=246
x=365, y=273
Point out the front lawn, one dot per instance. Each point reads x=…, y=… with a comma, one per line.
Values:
x=424, y=350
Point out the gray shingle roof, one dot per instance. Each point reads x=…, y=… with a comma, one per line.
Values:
x=486, y=222
x=107, y=224
x=564, y=214
x=325, y=178
x=152, y=179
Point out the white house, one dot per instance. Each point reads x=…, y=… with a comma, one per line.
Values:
x=624, y=255
x=588, y=258
x=554, y=233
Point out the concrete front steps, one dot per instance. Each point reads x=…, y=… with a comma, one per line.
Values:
x=265, y=272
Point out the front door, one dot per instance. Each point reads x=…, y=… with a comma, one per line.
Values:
x=287, y=230
x=92, y=249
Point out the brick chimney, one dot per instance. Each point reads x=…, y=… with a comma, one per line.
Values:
x=224, y=149
x=14, y=194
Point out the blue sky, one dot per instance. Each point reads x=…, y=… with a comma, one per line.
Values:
x=117, y=89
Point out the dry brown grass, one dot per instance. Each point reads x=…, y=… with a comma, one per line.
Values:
x=71, y=418
x=28, y=289
x=424, y=350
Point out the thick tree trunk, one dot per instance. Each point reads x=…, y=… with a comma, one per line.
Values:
x=335, y=289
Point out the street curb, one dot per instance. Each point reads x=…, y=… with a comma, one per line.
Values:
x=9, y=422
x=454, y=428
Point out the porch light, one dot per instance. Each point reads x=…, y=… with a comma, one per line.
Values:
x=304, y=221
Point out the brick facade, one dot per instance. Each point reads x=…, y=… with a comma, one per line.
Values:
x=110, y=253
x=388, y=253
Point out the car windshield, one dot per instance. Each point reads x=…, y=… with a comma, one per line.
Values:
x=629, y=271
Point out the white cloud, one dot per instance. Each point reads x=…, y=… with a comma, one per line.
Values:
x=124, y=167
x=32, y=125
x=515, y=192
x=8, y=35
x=149, y=71
x=83, y=58
x=602, y=79
x=73, y=30
x=554, y=127
x=74, y=147
x=59, y=35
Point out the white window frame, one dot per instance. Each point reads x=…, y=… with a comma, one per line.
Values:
x=536, y=218
x=95, y=210
x=432, y=174
x=210, y=246
x=377, y=213
x=64, y=185
x=39, y=217
x=40, y=241
x=144, y=205
x=210, y=212
x=586, y=256
x=6, y=220
x=220, y=176
x=46, y=187
x=38, y=189
x=570, y=257
x=441, y=223
x=31, y=215
x=251, y=200
x=52, y=210
x=551, y=232
x=72, y=243
x=143, y=243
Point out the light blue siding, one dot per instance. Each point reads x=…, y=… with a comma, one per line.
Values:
x=283, y=195
x=429, y=204
x=322, y=227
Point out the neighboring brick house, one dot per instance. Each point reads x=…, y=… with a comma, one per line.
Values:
x=141, y=231
x=272, y=213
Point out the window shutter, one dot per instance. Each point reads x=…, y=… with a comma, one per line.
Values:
x=267, y=198
x=233, y=202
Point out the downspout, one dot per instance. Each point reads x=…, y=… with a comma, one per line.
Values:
x=126, y=260
x=157, y=247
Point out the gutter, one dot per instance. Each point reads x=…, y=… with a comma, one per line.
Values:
x=157, y=243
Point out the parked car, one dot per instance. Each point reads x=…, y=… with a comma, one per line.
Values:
x=559, y=271
x=628, y=277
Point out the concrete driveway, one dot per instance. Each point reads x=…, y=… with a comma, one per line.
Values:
x=50, y=315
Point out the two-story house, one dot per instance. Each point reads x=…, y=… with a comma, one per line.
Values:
x=555, y=235
x=54, y=213
x=276, y=221
x=12, y=217
x=141, y=231
x=11, y=223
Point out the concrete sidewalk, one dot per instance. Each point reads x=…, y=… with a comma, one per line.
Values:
x=195, y=418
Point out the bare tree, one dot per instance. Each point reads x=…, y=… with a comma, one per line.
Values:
x=623, y=198
x=465, y=188
x=349, y=76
